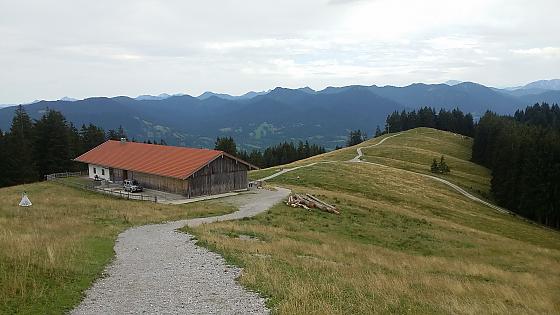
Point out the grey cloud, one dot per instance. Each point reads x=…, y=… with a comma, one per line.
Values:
x=132, y=47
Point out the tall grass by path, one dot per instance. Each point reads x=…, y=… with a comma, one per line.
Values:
x=51, y=252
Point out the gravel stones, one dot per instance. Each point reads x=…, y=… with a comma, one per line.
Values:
x=158, y=270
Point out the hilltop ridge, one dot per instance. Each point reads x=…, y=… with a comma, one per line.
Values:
x=403, y=242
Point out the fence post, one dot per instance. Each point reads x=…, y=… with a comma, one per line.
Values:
x=155, y=198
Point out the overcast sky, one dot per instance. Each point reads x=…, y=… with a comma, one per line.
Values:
x=50, y=49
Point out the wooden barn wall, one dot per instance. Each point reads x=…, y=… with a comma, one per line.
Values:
x=156, y=182
x=221, y=176
x=117, y=174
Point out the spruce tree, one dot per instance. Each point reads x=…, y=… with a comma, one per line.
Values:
x=226, y=144
x=20, y=164
x=91, y=136
x=355, y=137
x=443, y=168
x=378, y=131
x=51, y=147
x=4, y=180
x=435, y=167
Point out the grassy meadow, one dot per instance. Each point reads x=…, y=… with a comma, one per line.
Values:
x=51, y=252
x=415, y=149
x=403, y=244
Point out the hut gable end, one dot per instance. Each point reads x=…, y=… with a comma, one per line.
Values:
x=222, y=175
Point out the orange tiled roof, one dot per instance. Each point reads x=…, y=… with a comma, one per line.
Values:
x=167, y=161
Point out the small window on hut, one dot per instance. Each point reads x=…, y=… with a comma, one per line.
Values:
x=94, y=170
x=102, y=171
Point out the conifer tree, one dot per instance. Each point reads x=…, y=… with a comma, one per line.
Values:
x=524, y=156
x=443, y=168
x=91, y=136
x=226, y=144
x=355, y=137
x=435, y=167
x=4, y=180
x=378, y=131
x=20, y=165
x=51, y=144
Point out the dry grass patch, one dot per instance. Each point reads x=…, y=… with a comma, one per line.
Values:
x=403, y=244
x=412, y=150
x=51, y=252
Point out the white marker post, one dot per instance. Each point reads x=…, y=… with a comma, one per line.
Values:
x=25, y=202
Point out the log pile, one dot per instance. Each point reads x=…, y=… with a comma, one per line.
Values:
x=309, y=202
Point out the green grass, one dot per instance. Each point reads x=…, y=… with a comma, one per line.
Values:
x=254, y=175
x=403, y=243
x=415, y=149
x=77, y=180
x=51, y=252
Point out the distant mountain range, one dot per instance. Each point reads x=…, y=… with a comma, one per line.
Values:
x=259, y=119
x=245, y=96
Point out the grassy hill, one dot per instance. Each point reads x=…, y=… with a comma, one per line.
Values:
x=51, y=252
x=404, y=243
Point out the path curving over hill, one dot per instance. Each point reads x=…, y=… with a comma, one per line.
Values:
x=359, y=155
x=158, y=270
x=358, y=159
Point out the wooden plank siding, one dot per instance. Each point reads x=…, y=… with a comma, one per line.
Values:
x=116, y=174
x=222, y=175
x=169, y=184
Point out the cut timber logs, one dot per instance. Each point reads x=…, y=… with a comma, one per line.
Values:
x=308, y=202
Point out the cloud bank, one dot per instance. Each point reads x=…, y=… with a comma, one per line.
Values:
x=132, y=47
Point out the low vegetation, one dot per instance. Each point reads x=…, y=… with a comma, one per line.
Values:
x=402, y=244
x=414, y=150
x=51, y=252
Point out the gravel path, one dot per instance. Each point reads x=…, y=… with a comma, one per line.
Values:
x=158, y=270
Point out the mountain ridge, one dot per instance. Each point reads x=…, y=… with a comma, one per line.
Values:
x=281, y=114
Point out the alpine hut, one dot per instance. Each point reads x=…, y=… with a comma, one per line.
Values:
x=186, y=171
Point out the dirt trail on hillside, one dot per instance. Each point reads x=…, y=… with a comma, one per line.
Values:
x=158, y=270
x=358, y=159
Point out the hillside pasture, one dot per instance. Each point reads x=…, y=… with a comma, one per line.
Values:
x=54, y=250
x=403, y=243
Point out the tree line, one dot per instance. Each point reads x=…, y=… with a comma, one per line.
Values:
x=355, y=137
x=454, y=121
x=523, y=153
x=283, y=153
x=32, y=149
